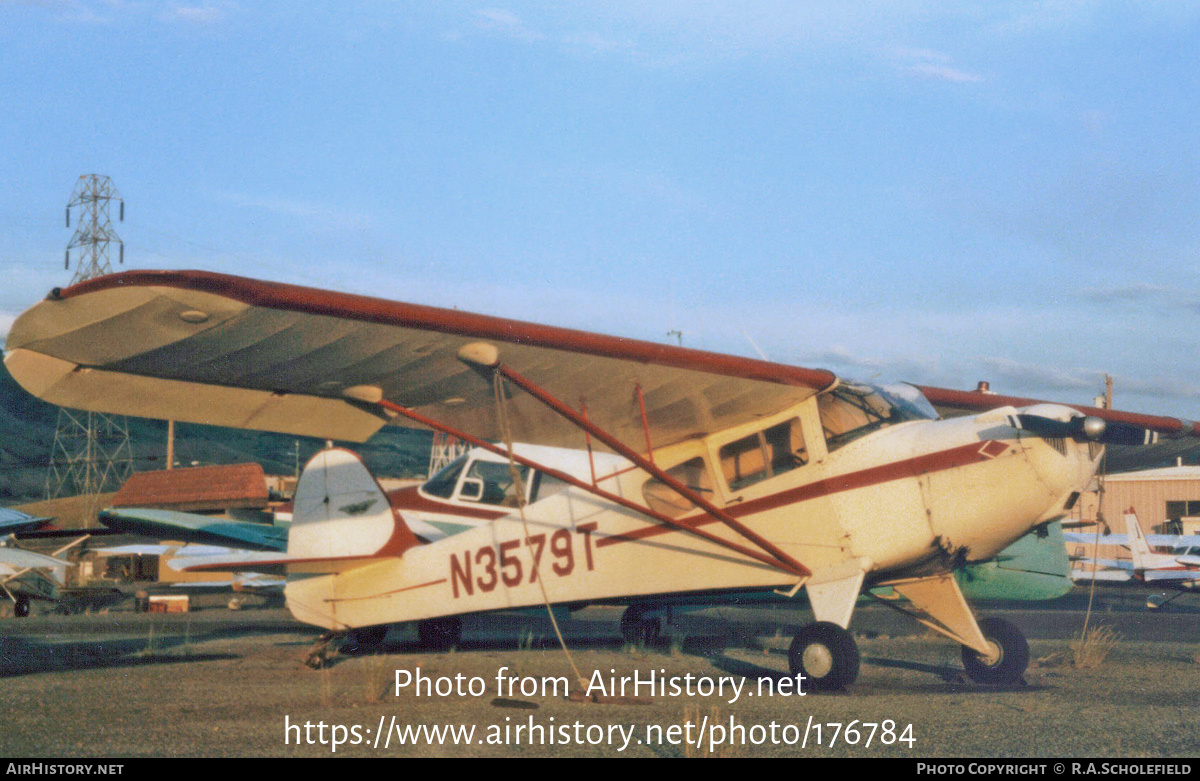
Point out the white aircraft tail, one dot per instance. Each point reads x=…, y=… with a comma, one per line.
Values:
x=341, y=511
x=1138, y=547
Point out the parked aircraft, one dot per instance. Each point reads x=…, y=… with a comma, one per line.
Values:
x=1179, y=569
x=749, y=475
x=24, y=574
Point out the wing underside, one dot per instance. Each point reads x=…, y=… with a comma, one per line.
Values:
x=210, y=348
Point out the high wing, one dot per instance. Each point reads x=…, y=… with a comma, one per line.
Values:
x=224, y=350
x=190, y=527
x=1124, y=428
x=16, y=522
x=20, y=559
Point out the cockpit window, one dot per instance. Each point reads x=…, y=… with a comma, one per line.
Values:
x=763, y=454
x=488, y=482
x=443, y=482
x=852, y=410
x=664, y=499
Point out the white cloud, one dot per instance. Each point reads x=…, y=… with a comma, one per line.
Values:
x=204, y=14
x=506, y=23
x=931, y=64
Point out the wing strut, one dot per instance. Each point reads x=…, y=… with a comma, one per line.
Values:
x=770, y=560
x=619, y=447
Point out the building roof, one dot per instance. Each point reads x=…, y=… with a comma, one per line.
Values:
x=1165, y=473
x=196, y=488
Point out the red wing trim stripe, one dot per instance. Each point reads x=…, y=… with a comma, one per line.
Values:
x=294, y=298
x=913, y=467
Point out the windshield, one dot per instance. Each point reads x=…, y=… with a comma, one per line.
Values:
x=442, y=484
x=853, y=410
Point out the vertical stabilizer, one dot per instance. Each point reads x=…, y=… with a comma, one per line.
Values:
x=1139, y=548
x=340, y=510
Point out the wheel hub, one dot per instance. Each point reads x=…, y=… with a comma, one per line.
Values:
x=995, y=654
x=818, y=660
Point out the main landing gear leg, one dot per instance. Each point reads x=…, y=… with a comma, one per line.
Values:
x=824, y=652
x=994, y=651
x=1009, y=655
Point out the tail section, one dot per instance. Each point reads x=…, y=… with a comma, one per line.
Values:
x=341, y=511
x=1138, y=547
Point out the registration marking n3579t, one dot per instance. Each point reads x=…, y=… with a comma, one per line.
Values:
x=488, y=566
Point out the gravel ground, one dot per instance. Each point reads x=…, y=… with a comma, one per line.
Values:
x=216, y=683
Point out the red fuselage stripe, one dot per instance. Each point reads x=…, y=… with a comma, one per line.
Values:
x=976, y=452
x=411, y=499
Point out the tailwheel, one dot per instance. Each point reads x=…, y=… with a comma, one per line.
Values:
x=639, y=627
x=826, y=655
x=439, y=634
x=21, y=608
x=1008, y=660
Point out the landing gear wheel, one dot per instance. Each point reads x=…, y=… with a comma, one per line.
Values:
x=1010, y=654
x=826, y=655
x=638, y=627
x=367, y=638
x=439, y=634
x=21, y=608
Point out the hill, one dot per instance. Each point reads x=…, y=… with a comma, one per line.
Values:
x=27, y=427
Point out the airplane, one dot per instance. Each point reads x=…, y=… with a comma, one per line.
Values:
x=750, y=475
x=1179, y=569
x=476, y=488
x=24, y=574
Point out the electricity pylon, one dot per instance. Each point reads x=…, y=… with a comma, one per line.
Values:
x=91, y=452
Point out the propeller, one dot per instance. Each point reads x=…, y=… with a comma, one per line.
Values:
x=1087, y=428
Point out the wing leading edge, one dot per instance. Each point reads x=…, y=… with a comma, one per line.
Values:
x=224, y=350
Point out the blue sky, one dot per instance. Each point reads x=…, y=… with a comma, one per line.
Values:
x=923, y=191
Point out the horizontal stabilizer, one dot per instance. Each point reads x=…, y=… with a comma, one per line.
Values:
x=268, y=563
x=190, y=527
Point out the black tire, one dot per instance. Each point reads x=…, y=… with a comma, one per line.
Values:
x=1012, y=654
x=826, y=655
x=21, y=608
x=640, y=628
x=439, y=634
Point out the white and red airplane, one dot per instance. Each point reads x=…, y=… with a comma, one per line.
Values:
x=1179, y=569
x=748, y=475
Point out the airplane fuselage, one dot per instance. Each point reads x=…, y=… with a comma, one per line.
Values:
x=904, y=500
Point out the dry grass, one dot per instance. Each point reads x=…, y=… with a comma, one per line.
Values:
x=1092, y=647
x=375, y=681
x=694, y=714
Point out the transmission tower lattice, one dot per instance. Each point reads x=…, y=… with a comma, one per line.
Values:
x=444, y=450
x=91, y=452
